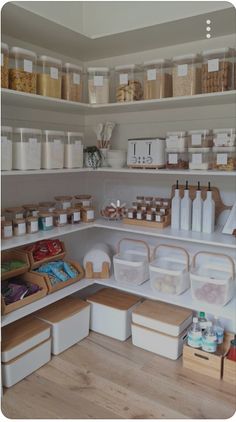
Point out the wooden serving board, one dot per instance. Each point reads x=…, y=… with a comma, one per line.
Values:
x=145, y=223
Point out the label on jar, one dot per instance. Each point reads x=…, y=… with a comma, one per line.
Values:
x=130, y=214
x=158, y=218
x=2, y=59
x=173, y=158
x=76, y=216
x=28, y=66
x=98, y=80
x=54, y=72
x=7, y=231
x=213, y=65
x=196, y=139
x=222, y=137
x=90, y=214
x=149, y=217
x=21, y=228
x=76, y=78
x=34, y=226
x=182, y=69
x=123, y=77
x=35, y=213
x=48, y=221
x=151, y=74
x=63, y=218
x=197, y=158
x=222, y=158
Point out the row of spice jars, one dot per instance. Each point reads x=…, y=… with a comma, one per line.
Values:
x=150, y=209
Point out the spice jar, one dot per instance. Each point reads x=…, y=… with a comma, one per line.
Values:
x=73, y=157
x=27, y=149
x=32, y=225
x=128, y=83
x=148, y=200
x=14, y=213
x=143, y=206
x=49, y=77
x=87, y=214
x=4, y=65
x=202, y=138
x=73, y=215
x=186, y=75
x=158, y=202
x=63, y=202
x=159, y=217
x=135, y=205
x=19, y=227
x=60, y=218
x=224, y=158
x=217, y=70
x=6, y=229
x=140, y=215
x=131, y=213
x=84, y=200
x=157, y=79
x=31, y=210
x=176, y=140
x=140, y=200
x=22, y=70
x=200, y=158
x=53, y=149
x=72, y=82
x=6, y=148
x=224, y=137
x=177, y=159
x=98, y=85
x=45, y=221
x=47, y=206
x=149, y=216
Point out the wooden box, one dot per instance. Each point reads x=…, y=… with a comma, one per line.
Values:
x=18, y=255
x=36, y=264
x=229, y=372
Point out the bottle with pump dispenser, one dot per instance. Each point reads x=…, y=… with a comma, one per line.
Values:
x=186, y=210
x=197, y=211
x=175, y=208
x=208, y=220
x=194, y=338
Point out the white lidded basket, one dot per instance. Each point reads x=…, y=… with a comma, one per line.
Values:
x=131, y=266
x=169, y=273
x=212, y=278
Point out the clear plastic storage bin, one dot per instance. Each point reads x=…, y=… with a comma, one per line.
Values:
x=177, y=159
x=186, y=75
x=224, y=158
x=27, y=149
x=49, y=77
x=22, y=70
x=53, y=149
x=98, y=85
x=72, y=83
x=157, y=79
x=6, y=148
x=128, y=83
x=200, y=158
x=217, y=70
x=202, y=138
x=169, y=270
x=131, y=266
x=212, y=278
x=224, y=137
x=4, y=65
x=73, y=150
x=176, y=140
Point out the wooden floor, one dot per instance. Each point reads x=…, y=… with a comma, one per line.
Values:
x=103, y=378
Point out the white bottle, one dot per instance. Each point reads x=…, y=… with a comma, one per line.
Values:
x=186, y=210
x=208, y=220
x=175, y=209
x=209, y=339
x=197, y=211
x=195, y=335
x=219, y=330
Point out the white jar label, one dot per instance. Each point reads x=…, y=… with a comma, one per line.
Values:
x=213, y=65
x=28, y=66
x=98, y=80
x=173, y=158
x=182, y=69
x=151, y=74
x=35, y=213
x=63, y=218
x=158, y=218
x=197, y=158
x=90, y=215
x=2, y=59
x=222, y=137
x=21, y=228
x=196, y=139
x=76, y=78
x=149, y=217
x=139, y=216
x=76, y=216
x=48, y=221
x=66, y=205
x=34, y=226
x=54, y=72
x=222, y=159
x=123, y=78
x=130, y=214
x=7, y=231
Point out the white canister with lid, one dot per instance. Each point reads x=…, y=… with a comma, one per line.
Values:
x=27, y=149
x=98, y=254
x=53, y=149
x=176, y=139
x=224, y=137
x=201, y=138
x=73, y=157
x=6, y=148
x=49, y=77
x=98, y=85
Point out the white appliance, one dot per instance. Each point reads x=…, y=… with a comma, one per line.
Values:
x=146, y=153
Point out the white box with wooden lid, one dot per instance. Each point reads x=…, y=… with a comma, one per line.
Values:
x=111, y=312
x=160, y=328
x=26, y=346
x=69, y=320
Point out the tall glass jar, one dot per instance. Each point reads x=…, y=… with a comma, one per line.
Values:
x=22, y=70
x=73, y=157
x=72, y=83
x=186, y=75
x=27, y=149
x=98, y=85
x=217, y=70
x=4, y=65
x=49, y=77
x=6, y=148
x=53, y=149
x=128, y=83
x=157, y=79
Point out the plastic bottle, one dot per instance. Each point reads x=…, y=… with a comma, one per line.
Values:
x=208, y=220
x=195, y=335
x=209, y=339
x=175, y=209
x=202, y=320
x=197, y=211
x=186, y=210
x=219, y=330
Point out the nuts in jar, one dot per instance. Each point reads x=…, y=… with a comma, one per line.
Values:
x=6, y=229
x=73, y=215
x=177, y=159
x=45, y=221
x=60, y=218
x=128, y=85
x=32, y=225
x=217, y=70
x=22, y=72
x=224, y=158
x=19, y=226
x=4, y=65
x=87, y=214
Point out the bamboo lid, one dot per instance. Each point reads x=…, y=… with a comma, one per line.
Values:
x=163, y=312
x=62, y=309
x=114, y=299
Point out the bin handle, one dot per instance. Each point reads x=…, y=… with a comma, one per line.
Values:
x=220, y=255
x=135, y=241
x=173, y=247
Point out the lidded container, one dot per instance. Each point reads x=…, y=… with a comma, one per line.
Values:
x=6, y=148
x=60, y=218
x=64, y=202
x=128, y=83
x=6, y=229
x=177, y=158
x=98, y=85
x=47, y=206
x=157, y=79
x=176, y=140
x=217, y=70
x=53, y=149
x=45, y=220
x=200, y=158
x=22, y=70
x=72, y=83
x=32, y=225
x=73, y=215
x=31, y=210
x=224, y=137
x=19, y=226
x=186, y=75
x=49, y=77
x=201, y=138
x=27, y=149
x=14, y=213
x=224, y=158
x=4, y=65
x=84, y=200
x=73, y=157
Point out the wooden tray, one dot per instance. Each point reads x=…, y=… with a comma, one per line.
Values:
x=36, y=264
x=145, y=223
x=18, y=255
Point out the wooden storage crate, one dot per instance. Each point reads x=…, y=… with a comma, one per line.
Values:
x=229, y=371
x=36, y=264
x=18, y=255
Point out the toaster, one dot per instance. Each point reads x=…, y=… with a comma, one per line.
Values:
x=146, y=153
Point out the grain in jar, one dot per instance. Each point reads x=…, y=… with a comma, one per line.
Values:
x=6, y=229
x=177, y=159
x=6, y=148
x=128, y=83
x=49, y=77
x=53, y=149
x=224, y=137
x=157, y=79
x=22, y=70
x=224, y=158
x=217, y=70
x=202, y=138
x=186, y=75
x=73, y=157
x=32, y=225
x=72, y=83
x=98, y=85
x=63, y=202
x=4, y=65
x=200, y=158
x=27, y=149
x=19, y=227
x=88, y=214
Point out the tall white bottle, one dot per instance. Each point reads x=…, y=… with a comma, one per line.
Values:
x=175, y=209
x=186, y=210
x=197, y=210
x=208, y=222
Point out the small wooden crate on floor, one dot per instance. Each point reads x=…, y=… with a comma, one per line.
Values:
x=15, y=254
x=36, y=264
x=229, y=371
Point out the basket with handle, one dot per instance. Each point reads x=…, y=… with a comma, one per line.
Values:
x=132, y=265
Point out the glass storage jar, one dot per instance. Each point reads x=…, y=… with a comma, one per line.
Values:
x=224, y=137
x=26, y=149
x=73, y=157
x=53, y=149
x=73, y=215
x=6, y=148
x=22, y=70
x=176, y=140
x=47, y=206
x=177, y=159
x=98, y=85
x=84, y=200
x=14, y=213
x=72, y=83
x=217, y=70
x=6, y=229
x=157, y=79
x=31, y=210
x=224, y=158
x=200, y=158
x=19, y=227
x=49, y=77
x=32, y=225
x=45, y=221
x=63, y=202
x=60, y=218
x=200, y=138
x=4, y=65
x=186, y=75
x=128, y=83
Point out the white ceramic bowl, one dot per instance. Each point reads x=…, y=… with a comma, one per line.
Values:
x=118, y=162
x=116, y=153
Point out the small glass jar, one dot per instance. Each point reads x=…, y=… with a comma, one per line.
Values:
x=4, y=65
x=47, y=206
x=22, y=70
x=200, y=158
x=158, y=202
x=73, y=157
x=159, y=217
x=72, y=82
x=88, y=214
x=148, y=200
x=60, y=218
x=140, y=200
x=6, y=148
x=166, y=202
x=32, y=225
x=98, y=85
x=27, y=149
x=6, y=229
x=49, y=77
x=140, y=215
x=217, y=70
x=19, y=227
x=128, y=83
x=73, y=215
x=150, y=216
x=13, y=213
x=45, y=221
x=63, y=202
x=143, y=206
x=164, y=210
x=224, y=137
x=153, y=208
x=157, y=79
x=224, y=158
x=53, y=149
x=31, y=210
x=131, y=214
x=84, y=200
x=176, y=140
x=177, y=159
x=202, y=138
x=186, y=75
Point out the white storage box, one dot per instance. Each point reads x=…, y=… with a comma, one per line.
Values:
x=26, y=346
x=160, y=328
x=26, y=149
x=111, y=312
x=69, y=320
x=212, y=278
x=169, y=271
x=131, y=265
